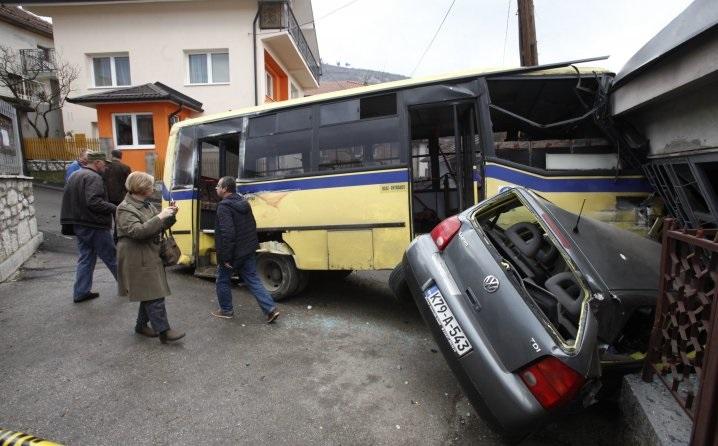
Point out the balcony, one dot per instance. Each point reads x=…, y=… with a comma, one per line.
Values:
x=290, y=43
x=36, y=61
x=31, y=90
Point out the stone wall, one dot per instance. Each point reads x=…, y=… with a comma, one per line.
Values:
x=19, y=237
x=46, y=165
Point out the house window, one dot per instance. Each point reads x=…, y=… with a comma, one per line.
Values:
x=133, y=130
x=293, y=91
x=208, y=67
x=111, y=71
x=269, y=82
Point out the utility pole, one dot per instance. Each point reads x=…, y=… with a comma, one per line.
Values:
x=527, y=34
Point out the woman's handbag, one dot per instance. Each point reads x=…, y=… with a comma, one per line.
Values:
x=169, y=251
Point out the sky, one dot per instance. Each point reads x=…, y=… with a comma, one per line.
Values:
x=392, y=35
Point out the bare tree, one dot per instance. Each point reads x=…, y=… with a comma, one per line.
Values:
x=22, y=75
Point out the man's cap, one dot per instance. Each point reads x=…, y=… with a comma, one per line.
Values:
x=97, y=156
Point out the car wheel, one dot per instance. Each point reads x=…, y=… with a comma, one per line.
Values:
x=278, y=274
x=398, y=285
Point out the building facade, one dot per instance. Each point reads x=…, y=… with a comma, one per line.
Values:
x=668, y=93
x=226, y=54
x=27, y=50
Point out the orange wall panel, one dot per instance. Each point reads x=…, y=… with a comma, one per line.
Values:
x=281, y=80
x=135, y=158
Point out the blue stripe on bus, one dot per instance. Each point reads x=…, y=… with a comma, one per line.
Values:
x=548, y=184
x=361, y=179
x=177, y=195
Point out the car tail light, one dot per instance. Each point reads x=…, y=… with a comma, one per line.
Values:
x=445, y=231
x=551, y=381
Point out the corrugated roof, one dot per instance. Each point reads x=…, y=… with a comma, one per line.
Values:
x=23, y=19
x=146, y=92
x=698, y=18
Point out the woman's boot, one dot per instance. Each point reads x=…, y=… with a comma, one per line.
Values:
x=170, y=336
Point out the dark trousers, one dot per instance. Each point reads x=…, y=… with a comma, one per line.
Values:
x=92, y=243
x=247, y=269
x=154, y=312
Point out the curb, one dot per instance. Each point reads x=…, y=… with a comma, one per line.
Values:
x=19, y=257
x=48, y=186
x=651, y=416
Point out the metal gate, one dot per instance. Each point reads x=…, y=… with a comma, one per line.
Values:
x=683, y=349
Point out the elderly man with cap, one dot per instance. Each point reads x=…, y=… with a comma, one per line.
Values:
x=87, y=211
x=77, y=164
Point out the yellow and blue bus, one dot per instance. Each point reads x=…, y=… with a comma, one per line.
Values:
x=343, y=181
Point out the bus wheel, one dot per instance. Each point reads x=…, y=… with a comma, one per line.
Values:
x=278, y=274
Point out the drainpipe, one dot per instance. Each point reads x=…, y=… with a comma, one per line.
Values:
x=254, y=52
x=172, y=115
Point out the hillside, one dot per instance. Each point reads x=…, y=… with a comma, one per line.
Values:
x=361, y=76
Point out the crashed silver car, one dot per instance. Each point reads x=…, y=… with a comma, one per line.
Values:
x=531, y=305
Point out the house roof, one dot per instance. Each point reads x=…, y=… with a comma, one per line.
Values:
x=16, y=16
x=700, y=17
x=141, y=93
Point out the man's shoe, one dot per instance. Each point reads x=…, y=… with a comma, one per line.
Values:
x=86, y=296
x=170, y=336
x=272, y=316
x=144, y=330
x=223, y=314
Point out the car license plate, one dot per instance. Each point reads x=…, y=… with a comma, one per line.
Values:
x=448, y=323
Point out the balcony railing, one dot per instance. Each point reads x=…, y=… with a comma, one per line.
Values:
x=30, y=90
x=41, y=60
x=279, y=15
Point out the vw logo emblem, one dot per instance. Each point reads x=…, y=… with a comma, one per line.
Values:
x=491, y=283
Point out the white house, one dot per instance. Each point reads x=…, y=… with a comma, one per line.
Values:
x=26, y=43
x=226, y=54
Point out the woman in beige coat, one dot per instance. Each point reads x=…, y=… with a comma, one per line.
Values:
x=140, y=271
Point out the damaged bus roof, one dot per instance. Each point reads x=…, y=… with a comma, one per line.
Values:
x=557, y=69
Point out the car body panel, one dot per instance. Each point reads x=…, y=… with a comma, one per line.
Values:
x=506, y=328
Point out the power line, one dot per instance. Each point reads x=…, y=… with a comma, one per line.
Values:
x=506, y=33
x=433, y=38
x=331, y=12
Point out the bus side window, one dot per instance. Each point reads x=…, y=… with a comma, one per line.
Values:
x=277, y=155
x=185, y=159
x=359, y=144
x=278, y=144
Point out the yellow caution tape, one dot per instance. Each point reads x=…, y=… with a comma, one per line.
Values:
x=12, y=438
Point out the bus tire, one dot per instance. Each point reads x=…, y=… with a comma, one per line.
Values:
x=278, y=274
x=399, y=286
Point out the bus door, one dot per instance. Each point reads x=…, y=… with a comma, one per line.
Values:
x=443, y=145
x=218, y=157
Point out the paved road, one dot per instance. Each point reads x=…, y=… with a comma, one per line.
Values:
x=344, y=365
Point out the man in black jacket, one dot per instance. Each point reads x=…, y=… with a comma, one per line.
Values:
x=85, y=208
x=235, y=238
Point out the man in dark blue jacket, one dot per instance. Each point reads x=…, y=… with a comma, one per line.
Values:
x=236, y=242
x=86, y=210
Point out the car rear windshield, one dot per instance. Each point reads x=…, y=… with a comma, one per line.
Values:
x=539, y=268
